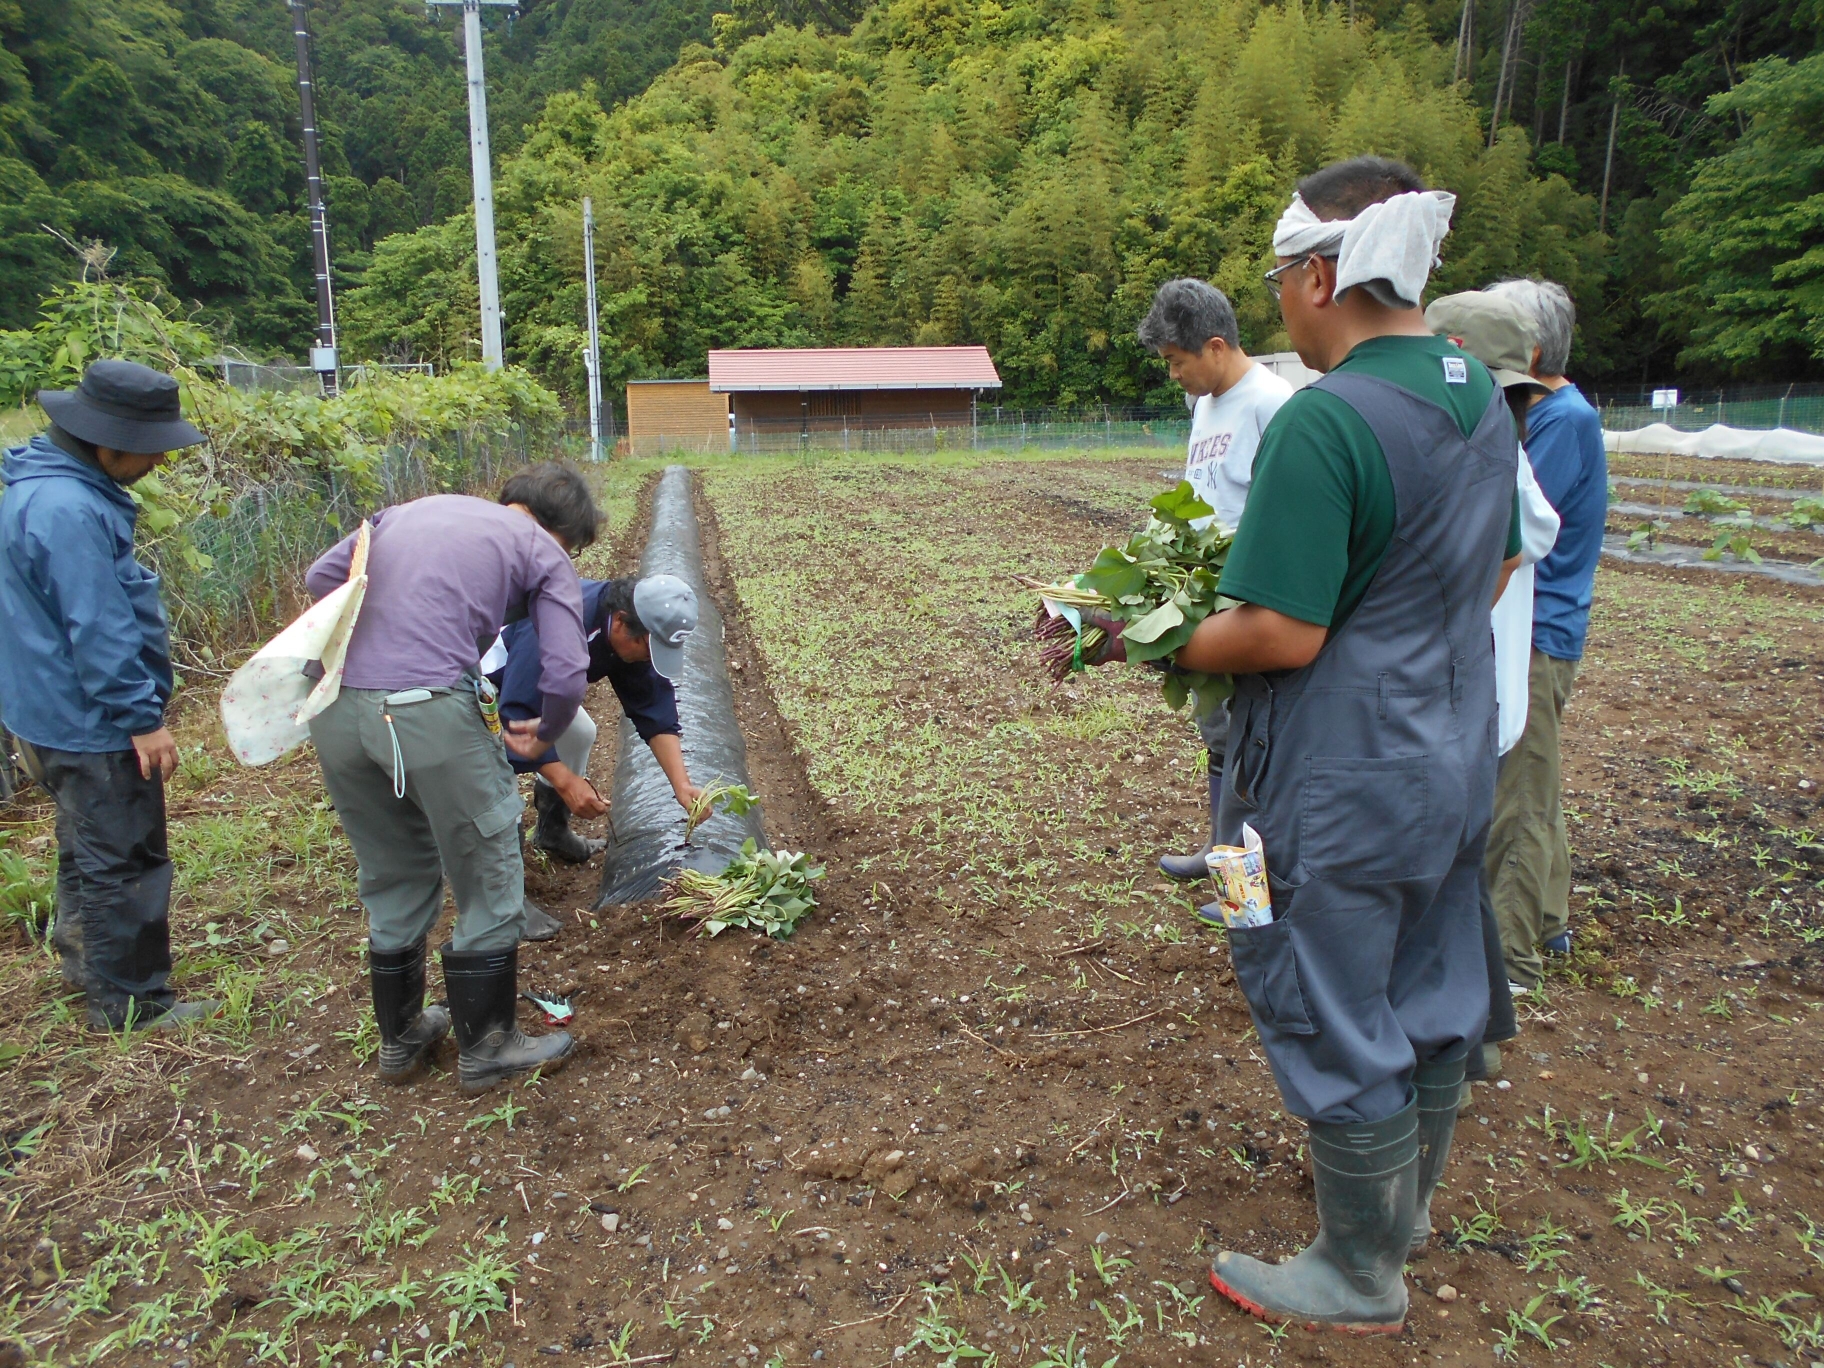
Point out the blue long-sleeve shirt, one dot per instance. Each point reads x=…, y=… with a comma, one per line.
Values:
x=1564, y=443
x=86, y=664
x=646, y=696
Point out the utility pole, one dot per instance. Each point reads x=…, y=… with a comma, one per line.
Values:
x=482, y=174
x=595, y=340
x=323, y=355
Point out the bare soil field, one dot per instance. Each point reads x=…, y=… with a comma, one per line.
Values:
x=998, y=1100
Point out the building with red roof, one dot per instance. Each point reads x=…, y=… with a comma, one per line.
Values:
x=781, y=396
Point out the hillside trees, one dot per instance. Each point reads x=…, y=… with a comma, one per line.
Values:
x=168, y=130
x=1747, y=240
x=1021, y=175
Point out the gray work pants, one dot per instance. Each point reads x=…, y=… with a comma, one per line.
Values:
x=459, y=817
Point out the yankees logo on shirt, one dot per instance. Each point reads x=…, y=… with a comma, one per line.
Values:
x=1225, y=434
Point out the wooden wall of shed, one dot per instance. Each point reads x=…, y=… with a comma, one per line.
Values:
x=675, y=415
x=775, y=411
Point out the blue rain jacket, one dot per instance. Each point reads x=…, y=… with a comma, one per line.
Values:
x=86, y=663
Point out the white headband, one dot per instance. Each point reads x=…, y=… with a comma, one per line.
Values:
x=1389, y=248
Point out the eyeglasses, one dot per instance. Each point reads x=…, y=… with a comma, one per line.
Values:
x=1273, y=276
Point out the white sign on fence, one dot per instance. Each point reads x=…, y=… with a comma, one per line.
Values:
x=1665, y=398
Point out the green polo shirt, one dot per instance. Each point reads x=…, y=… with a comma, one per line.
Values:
x=1320, y=510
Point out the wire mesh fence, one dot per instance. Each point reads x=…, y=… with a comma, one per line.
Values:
x=256, y=544
x=1798, y=407
x=990, y=429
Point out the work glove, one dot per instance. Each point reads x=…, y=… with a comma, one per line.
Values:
x=1113, y=647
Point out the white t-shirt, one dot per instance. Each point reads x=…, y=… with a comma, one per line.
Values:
x=1513, y=615
x=1225, y=435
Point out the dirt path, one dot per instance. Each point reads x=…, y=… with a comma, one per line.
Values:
x=999, y=1091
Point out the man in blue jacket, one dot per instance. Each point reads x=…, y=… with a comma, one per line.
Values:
x=1529, y=851
x=85, y=678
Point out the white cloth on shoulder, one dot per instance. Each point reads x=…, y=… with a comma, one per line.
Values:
x=1388, y=249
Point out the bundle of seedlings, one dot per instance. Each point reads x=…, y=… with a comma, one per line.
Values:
x=768, y=891
x=733, y=799
x=1159, y=585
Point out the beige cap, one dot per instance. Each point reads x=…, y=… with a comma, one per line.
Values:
x=1498, y=332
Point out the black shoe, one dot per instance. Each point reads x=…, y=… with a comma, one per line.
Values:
x=539, y=924
x=553, y=832
x=1186, y=868
x=140, y=1016
x=484, y=997
x=409, y=1031
x=1351, y=1277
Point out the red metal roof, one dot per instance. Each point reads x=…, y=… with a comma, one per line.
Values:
x=852, y=368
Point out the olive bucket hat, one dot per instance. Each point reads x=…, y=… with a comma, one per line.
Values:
x=122, y=405
x=1497, y=331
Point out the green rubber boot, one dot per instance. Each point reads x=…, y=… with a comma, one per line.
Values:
x=1350, y=1277
x=1437, y=1084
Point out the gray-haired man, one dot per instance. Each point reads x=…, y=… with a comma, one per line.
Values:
x=1529, y=853
x=1192, y=326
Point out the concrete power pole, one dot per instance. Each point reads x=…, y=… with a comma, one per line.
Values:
x=482, y=174
x=595, y=339
x=323, y=355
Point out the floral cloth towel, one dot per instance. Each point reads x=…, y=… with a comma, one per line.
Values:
x=268, y=704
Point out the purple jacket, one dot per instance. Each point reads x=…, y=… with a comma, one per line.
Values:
x=444, y=575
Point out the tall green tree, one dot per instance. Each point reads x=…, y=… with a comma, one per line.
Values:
x=1747, y=239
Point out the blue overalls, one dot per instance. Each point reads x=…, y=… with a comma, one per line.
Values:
x=1370, y=777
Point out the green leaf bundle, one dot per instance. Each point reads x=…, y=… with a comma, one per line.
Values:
x=1160, y=584
x=768, y=891
x=734, y=799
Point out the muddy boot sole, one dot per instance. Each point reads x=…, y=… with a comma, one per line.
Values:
x=1376, y=1326
x=480, y=1076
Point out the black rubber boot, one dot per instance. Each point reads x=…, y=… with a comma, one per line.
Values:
x=553, y=833
x=66, y=939
x=1350, y=1277
x=484, y=997
x=1438, y=1084
x=409, y=1031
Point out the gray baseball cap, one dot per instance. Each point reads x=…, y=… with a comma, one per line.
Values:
x=668, y=608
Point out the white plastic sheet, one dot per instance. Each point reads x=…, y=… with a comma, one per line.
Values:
x=1717, y=442
x=268, y=704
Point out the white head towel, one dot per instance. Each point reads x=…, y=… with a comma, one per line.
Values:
x=1388, y=249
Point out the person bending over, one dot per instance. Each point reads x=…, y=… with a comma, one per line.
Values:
x=422, y=785
x=636, y=632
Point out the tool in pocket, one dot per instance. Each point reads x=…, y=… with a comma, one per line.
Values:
x=399, y=700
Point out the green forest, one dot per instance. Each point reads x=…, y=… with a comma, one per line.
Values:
x=1019, y=173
